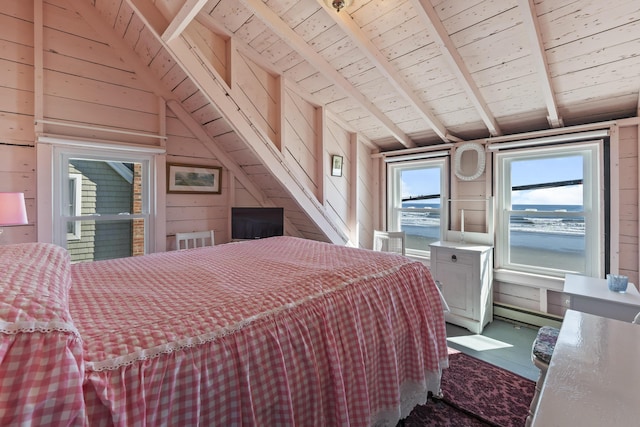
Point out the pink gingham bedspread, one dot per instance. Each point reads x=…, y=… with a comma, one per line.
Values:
x=41, y=368
x=280, y=331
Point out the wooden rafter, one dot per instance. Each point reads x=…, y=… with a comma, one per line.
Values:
x=186, y=14
x=540, y=60
x=277, y=25
x=431, y=20
x=348, y=25
x=216, y=91
x=91, y=16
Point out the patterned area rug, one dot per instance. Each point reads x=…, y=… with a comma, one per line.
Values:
x=476, y=393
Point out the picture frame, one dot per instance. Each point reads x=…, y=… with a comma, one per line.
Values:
x=336, y=165
x=193, y=179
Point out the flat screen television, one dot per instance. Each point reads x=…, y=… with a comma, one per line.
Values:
x=256, y=223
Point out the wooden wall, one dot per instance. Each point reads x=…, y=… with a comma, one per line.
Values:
x=70, y=81
x=365, y=176
x=192, y=212
x=260, y=97
x=17, y=150
x=627, y=200
x=302, y=134
x=337, y=192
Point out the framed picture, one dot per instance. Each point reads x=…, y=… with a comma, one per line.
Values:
x=336, y=165
x=193, y=179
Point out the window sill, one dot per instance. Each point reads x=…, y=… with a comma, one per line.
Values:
x=540, y=281
x=425, y=259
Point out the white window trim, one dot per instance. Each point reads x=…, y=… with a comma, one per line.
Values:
x=394, y=188
x=77, y=198
x=47, y=150
x=594, y=218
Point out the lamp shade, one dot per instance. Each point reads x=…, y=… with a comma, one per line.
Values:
x=12, y=209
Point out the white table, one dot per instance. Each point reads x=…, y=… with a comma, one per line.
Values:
x=593, y=378
x=591, y=295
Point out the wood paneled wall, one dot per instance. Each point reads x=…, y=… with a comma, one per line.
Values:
x=365, y=188
x=302, y=135
x=627, y=201
x=85, y=83
x=192, y=212
x=338, y=188
x=17, y=150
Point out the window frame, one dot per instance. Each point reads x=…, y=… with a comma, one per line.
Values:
x=593, y=204
x=76, y=206
x=394, y=195
x=62, y=154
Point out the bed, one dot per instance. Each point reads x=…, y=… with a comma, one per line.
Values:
x=279, y=331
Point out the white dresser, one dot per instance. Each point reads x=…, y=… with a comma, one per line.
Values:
x=464, y=273
x=591, y=295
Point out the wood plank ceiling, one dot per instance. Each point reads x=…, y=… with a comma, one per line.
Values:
x=407, y=73
x=421, y=72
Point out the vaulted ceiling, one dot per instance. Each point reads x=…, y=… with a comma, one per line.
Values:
x=407, y=73
x=401, y=73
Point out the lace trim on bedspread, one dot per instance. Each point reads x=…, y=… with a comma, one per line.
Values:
x=168, y=348
x=411, y=394
x=13, y=328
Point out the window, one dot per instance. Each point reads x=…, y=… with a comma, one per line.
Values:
x=102, y=201
x=75, y=202
x=416, y=194
x=549, y=210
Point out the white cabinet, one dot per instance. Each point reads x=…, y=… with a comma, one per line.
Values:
x=464, y=273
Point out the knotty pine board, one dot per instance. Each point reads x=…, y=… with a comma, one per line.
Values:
x=204, y=113
x=88, y=90
x=232, y=13
x=212, y=46
x=99, y=114
x=257, y=91
x=301, y=138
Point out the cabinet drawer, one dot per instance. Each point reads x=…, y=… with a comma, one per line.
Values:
x=454, y=256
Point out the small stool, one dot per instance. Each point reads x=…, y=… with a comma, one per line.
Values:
x=541, y=353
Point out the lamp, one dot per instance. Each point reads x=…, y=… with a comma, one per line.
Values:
x=12, y=209
x=338, y=4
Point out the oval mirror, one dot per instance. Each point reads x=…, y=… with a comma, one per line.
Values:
x=476, y=171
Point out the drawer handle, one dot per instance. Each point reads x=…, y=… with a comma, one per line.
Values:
x=454, y=258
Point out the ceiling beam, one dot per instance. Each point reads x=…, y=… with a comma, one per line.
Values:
x=278, y=26
x=355, y=33
x=431, y=20
x=92, y=17
x=530, y=21
x=185, y=15
x=207, y=80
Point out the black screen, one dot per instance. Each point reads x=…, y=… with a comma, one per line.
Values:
x=256, y=223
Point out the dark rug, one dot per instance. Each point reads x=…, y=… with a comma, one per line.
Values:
x=475, y=393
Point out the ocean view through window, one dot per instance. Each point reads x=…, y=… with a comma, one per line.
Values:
x=548, y=236
x=420, y=222
x=549, y=210
x=416, y=193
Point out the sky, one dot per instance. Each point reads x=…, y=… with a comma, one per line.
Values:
x=426, y=181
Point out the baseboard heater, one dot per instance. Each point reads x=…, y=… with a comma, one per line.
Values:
x=522, y=315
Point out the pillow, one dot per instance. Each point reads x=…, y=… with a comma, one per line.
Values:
x=34, y=287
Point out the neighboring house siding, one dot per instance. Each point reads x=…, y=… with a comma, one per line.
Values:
x=104, y=191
